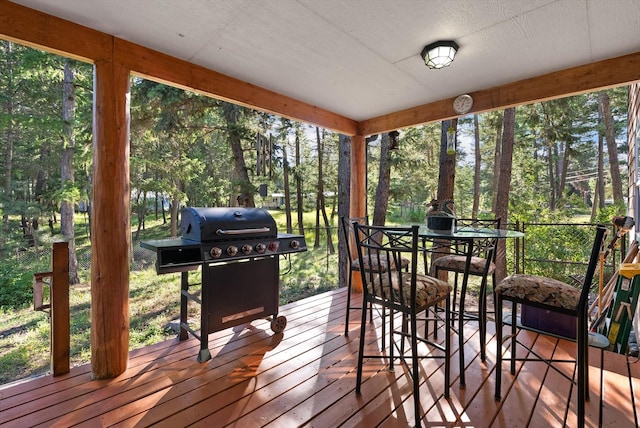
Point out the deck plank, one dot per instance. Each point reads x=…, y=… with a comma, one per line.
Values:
x=618, y=409
x=306, y=377
x=552, y=404
x=244, y=366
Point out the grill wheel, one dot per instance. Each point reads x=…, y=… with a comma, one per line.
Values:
x=278, y=324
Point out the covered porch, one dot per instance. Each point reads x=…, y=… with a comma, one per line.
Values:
x=306, y=377
x=614, y=61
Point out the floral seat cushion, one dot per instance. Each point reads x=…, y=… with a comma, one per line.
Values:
x=374, y=264
x=456, y=263
x=540, y=289
x=428, y=289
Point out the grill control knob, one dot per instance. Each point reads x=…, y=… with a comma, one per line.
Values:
x=295, y=244
x=215, y=252
x=273, y=245
x=232, y=250
x=247, y=249
x=261, y=248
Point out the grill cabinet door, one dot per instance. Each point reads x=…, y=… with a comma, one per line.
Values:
x=239, y=292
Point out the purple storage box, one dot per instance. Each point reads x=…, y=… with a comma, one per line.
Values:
x=552, y=322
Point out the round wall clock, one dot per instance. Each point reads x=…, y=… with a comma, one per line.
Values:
x=462, y=104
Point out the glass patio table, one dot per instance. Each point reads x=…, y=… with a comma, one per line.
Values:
x=466, y=236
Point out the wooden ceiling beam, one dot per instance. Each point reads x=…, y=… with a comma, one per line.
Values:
x=163, y=68
x=609, y=73
x=42, y=31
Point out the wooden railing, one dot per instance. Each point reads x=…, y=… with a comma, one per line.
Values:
x=58, y=305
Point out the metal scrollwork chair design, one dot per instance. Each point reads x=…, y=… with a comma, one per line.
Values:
x=557, y=297
x=354, y=264
x=481, y=264
x=402, y=294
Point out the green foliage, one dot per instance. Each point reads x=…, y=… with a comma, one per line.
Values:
x=16, y=287
x=605, y=214
x=68, y=192
x=16, y=280
x=562, y=249
x=398, y=215
x=414, y=167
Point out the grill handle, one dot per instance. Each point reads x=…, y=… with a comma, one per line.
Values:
x=242, y=231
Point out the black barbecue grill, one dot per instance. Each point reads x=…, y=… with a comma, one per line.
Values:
x=238, y=250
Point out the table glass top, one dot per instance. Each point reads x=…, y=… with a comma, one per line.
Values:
x=469, y=232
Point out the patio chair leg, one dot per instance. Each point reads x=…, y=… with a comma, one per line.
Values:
x=461, y=344
x=447, y=348
x=384, y=327
x=415, y=369
x=498, y=305
x=391, y=345
x=455, y=292
x=346, y=321
x=482, y=319
x=514, y=319
x=581, y=379
x=363, y=321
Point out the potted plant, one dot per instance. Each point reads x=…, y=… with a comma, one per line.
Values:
x=441, y=215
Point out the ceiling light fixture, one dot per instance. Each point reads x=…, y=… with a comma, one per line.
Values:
x=439, y=54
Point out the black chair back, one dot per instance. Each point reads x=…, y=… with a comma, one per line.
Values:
x=347, y=230
x=380, y=250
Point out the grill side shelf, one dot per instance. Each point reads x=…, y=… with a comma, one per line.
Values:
x=175, y=255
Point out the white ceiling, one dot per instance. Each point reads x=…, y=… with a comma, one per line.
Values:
x=361, y=58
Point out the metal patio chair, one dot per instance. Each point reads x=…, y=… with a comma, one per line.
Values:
x=401, y=294
x=555, y=297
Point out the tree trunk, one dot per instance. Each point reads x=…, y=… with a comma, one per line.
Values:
x=600, y=180
x=497, y=160
x=299, y=186
x=447, y=176
x=552, y=175
x=319, y=192
x=596, y=202
x=287, y=188
x=174, y=210
x=246, y=189
x=321, y=207
x=381, y=201
x=10, y=135
x=563, y=171
x=504, y=186
x=476, y=169
x=344, y=186
x=612, y=148
x=175, y=198
x=66, y=176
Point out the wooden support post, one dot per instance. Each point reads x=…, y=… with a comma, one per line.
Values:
x=60, y=331
x=110, y=225
x=358, y=192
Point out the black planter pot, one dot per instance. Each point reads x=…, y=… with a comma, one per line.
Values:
x=440, y=224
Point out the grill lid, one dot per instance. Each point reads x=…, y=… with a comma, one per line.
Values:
x=221, y=224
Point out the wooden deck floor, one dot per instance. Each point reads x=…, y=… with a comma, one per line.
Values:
x=306, y=376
